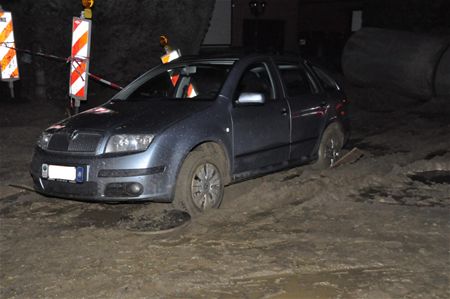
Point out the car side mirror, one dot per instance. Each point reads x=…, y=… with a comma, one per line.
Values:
x=251, y=98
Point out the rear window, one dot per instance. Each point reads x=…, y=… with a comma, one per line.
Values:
x=328, y=83
x=295, y=79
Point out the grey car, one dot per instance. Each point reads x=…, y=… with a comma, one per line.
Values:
x=184, y=130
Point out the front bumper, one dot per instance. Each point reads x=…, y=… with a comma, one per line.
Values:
x=105, y=178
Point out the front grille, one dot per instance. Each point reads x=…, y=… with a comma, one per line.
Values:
x=84, y=143
x=79, y=142
x=59, y=142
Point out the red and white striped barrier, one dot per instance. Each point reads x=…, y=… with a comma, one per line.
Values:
x=79, y=64
x=109, y=83
x=8, y=54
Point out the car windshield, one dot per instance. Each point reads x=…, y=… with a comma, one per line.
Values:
x=198, y=82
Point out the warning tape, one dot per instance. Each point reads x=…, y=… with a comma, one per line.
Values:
x=65, y=60
x=5, y=44
x=95, y=77
x=113, y=85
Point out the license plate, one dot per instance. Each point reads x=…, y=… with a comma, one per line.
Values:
x=64, y=173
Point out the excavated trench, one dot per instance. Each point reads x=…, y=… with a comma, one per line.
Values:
x=432, y=177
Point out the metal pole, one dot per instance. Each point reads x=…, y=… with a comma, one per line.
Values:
x=11, y=89
x=76, y=106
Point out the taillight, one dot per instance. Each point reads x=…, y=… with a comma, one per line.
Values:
x=340, y=107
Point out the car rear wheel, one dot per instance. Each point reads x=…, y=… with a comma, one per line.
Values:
x=200, y=183
x=330, y=147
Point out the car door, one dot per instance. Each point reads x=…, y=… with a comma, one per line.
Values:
x=308, y=108
x=261, y=131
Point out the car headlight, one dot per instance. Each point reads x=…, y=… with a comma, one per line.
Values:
x=128, y=143
x=44, y=140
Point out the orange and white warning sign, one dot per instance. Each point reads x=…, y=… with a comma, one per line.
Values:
x=172, y=55
x=8, y=55
x=79, y=66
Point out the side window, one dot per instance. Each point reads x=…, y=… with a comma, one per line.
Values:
x=256, y=79
x=328, y=83
x=295, y=80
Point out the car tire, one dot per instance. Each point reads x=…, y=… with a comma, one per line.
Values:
x=200, y=183
x=330, y=147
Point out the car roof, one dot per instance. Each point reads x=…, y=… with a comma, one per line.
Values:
x=231, y=58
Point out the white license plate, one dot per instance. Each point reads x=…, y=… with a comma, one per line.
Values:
x=57, y=172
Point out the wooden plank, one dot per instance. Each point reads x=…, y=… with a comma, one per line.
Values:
x=349, y=157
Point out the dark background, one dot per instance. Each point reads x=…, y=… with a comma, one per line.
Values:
x=125, y=34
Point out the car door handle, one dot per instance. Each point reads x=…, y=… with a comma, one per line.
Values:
x=284, y=111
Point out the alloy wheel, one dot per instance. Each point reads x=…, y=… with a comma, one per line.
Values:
x=206, y=186
x=332, y=151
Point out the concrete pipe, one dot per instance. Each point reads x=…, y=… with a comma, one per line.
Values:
x=400, y=61
x=442, y=77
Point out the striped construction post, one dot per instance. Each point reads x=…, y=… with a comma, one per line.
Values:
x=8, y=56
x=170, y=56
x=79, y=64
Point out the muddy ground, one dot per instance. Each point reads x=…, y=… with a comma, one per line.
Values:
x=376, y=228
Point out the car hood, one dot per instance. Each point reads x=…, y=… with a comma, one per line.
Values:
x=133, y=116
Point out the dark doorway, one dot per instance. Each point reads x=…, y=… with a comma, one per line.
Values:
x=264, y=35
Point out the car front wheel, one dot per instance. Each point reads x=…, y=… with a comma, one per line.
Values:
x=200, y=183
